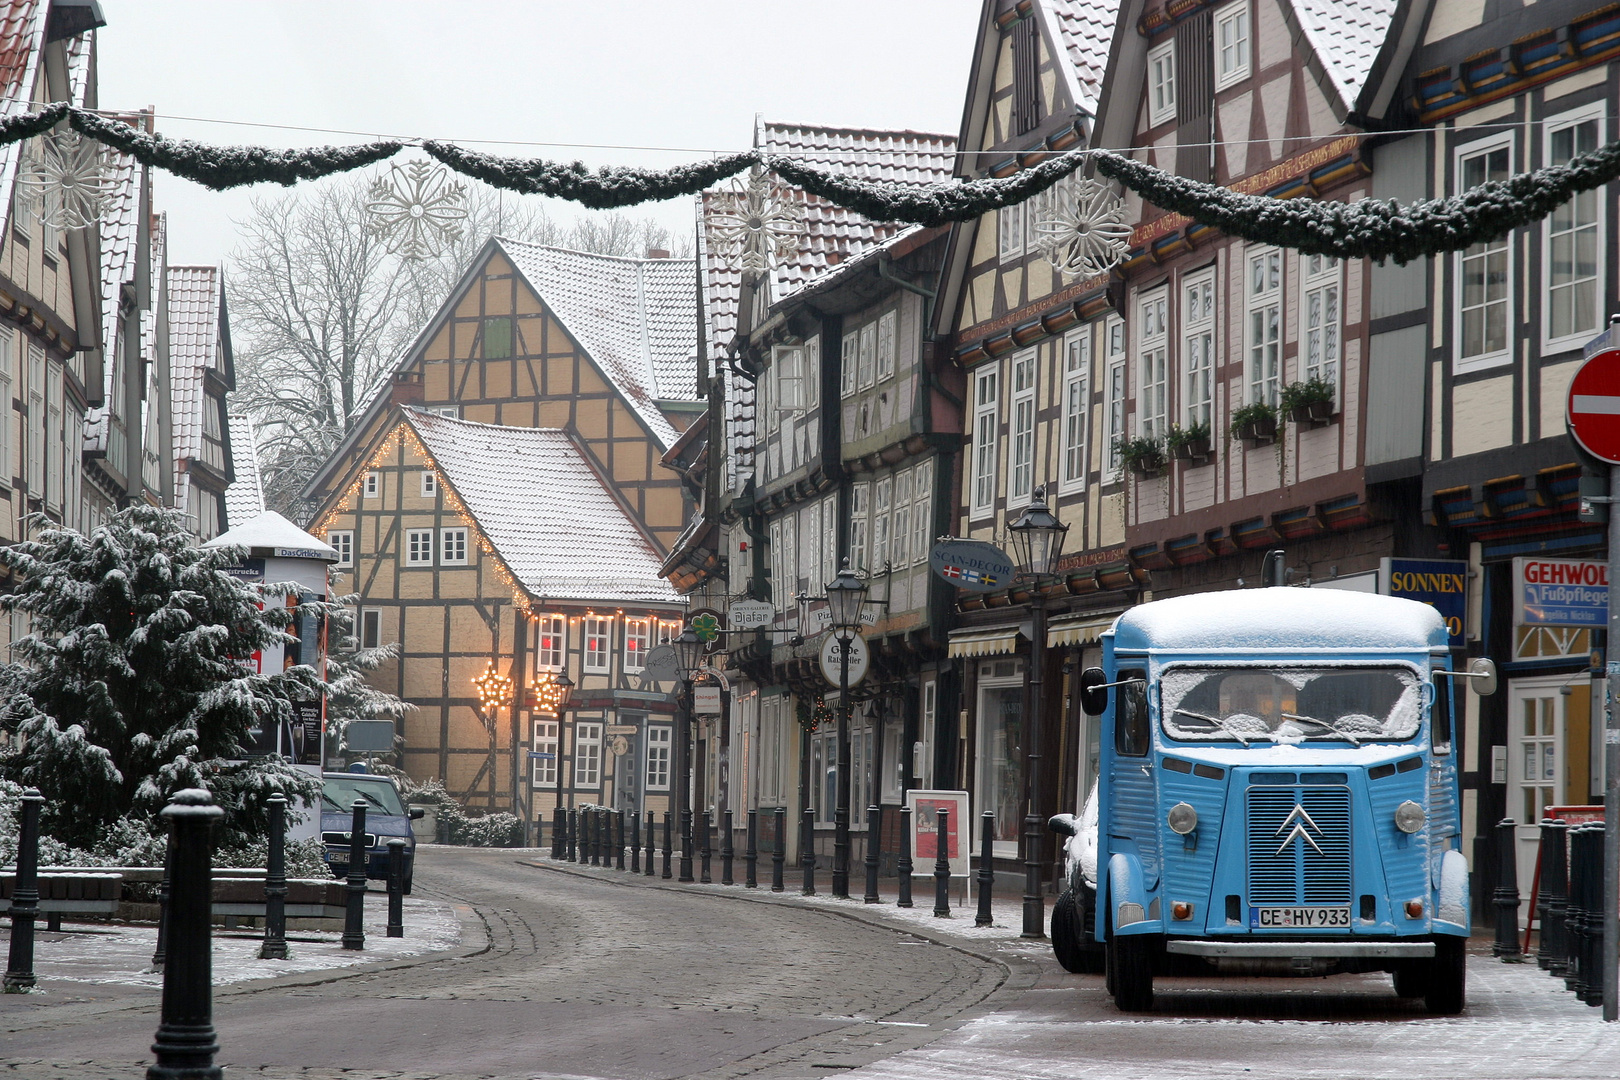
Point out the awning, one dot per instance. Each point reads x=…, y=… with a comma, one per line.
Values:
x=984, y=641
x=1077, y=631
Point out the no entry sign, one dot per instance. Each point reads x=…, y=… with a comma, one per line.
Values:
x=1593, y=410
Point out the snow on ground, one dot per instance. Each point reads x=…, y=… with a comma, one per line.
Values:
x=122, y=954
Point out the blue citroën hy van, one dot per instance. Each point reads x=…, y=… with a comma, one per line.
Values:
x=1277, y=790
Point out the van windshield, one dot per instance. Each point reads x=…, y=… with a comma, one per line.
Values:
x=380, y=796
x=1290, y=705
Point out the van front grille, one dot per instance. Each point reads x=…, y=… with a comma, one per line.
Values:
x=1299, y=845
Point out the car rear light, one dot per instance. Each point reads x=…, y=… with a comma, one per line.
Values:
x=1414, y=909
x=1181, y=910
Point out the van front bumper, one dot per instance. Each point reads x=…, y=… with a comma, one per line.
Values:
x=1288, y=950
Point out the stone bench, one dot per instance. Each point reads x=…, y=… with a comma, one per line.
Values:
x=238, y=892
x=69, y=892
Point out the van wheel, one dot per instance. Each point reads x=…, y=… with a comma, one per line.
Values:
x=1131, y=961
x=1412, y=980
x=406, y=888
x=1071, y=944
x=1447, y=991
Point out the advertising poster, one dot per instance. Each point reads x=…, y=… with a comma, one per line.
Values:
x=925, y=836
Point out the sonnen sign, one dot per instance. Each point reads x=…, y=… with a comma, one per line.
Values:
x=1440, y=583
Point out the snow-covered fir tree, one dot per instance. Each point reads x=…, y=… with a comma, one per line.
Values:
x=348, y=695
x=136, y=680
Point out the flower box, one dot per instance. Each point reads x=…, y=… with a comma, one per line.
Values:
x=1259, y=431
x=1195, y=450
x=1312, y=413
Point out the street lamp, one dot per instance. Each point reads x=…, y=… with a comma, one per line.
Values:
x=554, y=695
x=688, y=658
x=846, y=596
x=1037, y=542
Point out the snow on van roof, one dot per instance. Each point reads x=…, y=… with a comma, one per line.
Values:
x=1281, y=618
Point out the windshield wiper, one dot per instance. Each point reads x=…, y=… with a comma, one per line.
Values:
x=1216, y=721
x=329, y=801
x=1335, y=728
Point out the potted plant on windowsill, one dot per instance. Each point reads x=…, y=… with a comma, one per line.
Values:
x=1189, y=443
x=1143, y=455
x=1309, y=402
x=1255, y=424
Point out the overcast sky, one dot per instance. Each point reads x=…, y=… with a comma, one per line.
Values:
x=683, y=74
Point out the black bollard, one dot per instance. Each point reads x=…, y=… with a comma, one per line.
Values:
x=25, y=897
x=185, y=1044
x=751, y=852
x=161, y=952
x=618, y=848
x=275, y=883
x=396, y=887
x=1575, y=912
x=807, y=852
x=1554, y=896
x=558, y=828
x=987, y=869
x=728, y=852
x=652, y=844
x=1586, y=856
x=903, y=868
x=686, y=845
x=942, y=865
x=1507, y=895
x=874, y=840
x=635, y=843
x=669, y=842
x=704, y=848
x=354, y=929
x=779, y=849
x=593, y=835
x=570, y=840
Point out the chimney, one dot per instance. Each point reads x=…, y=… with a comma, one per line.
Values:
x=406, y=390
x=657, y=253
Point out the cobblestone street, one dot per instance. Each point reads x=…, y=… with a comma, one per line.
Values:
x=569, y=971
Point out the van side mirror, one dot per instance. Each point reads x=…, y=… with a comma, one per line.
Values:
x=1094, y=691
x=417, y=813
x=1482, y=675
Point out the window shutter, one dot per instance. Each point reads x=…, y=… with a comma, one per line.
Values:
x=1026, y=82
x=1195, y=97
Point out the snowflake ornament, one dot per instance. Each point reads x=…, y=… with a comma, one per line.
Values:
x=68, y=179
x=417, y=210
x=1086, y=233
x=755, y=226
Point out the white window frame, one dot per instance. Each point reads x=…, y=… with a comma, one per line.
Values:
x=7, y=354
x=1011, y=225
x=1578, y=337
x=986, y=422
x=900, y=530
x=370, y=486
x=1153, y=363
x=858, y=525
x=829, y=538
x=587, y=755
x=453, y=546
x=596, y=656
x=882, y=505
x=418, y=547
x=781, y=589
x=1076, y=406
x=545, y=740
x=1116, y=380
x=1321, y=300
x=342, y=541
x=1234, y=44
x=888, y=344
x=1479, y=362
x=660, y=747
x=637, y=640
x=552, y=656
x=866, y=366
x=846, y=363
x=790, y=551
x=810, y=372
x=1161, y=83
x=1023, y=378
x=1198, y=306
x=430, y=484
x=810, y=544
x=1263, y=301
x=370, y=626
x=922, y=510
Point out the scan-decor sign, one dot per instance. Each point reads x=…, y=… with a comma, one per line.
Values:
x=1560, y=592
x=1440, y=583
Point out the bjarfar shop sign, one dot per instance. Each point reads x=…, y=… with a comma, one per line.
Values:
x=1560, y=592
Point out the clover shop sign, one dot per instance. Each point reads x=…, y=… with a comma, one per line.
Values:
x=1560, y=592
x=1440, y=583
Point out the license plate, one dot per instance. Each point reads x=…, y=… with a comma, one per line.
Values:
x=337, y=856
x=1296, y=917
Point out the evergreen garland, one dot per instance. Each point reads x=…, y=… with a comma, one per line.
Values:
x=606, y=189
x=926, y=204
x=223, y=167
x=1371, y=228
x=27, y=125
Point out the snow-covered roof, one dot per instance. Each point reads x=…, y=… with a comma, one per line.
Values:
x=270, y=531
x=637, y=318
x=193, y=296
x=120, y=232
x=1281, y=618
x=244, y=498
x=1086, y=28
x=550, y=517
x=22, y=32
x=1346, y=35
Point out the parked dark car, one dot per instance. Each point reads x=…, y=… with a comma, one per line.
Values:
x=386, y=818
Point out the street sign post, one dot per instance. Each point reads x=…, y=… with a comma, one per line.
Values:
x=1593, y=416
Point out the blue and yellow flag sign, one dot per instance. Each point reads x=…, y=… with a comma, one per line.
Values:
x=975, y=565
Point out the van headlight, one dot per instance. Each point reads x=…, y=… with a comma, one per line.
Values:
x=1182, y=818
x=1409, y=817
